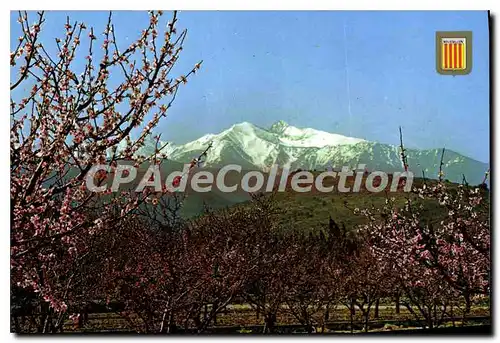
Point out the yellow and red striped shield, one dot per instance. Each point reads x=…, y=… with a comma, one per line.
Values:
x=454, y=52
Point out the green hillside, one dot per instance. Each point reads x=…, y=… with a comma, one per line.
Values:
x=311, y=211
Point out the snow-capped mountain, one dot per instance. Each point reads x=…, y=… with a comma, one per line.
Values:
x=254, y=147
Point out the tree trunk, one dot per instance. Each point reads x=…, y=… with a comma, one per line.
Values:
x=397, y=304
x=171, y=323
x=435, y=317
x=270, y=320
x=467, y=303
x=452, y=315
x=214, y=306
x=45, y=318
x=352, y=315
x=367, y=318
x=326, y=317
x=377, y=303
x=467, y=308
x=162, y=325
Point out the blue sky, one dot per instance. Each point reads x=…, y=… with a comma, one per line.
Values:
x=265, y=66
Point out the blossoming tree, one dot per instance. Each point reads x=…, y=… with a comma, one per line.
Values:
x=64, y=121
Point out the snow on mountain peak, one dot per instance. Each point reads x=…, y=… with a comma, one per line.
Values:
x=309, y=138
x=252, y=137
x=312, y=138
x=244, y=127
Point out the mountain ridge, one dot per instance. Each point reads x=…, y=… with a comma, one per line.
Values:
x=254, y=147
